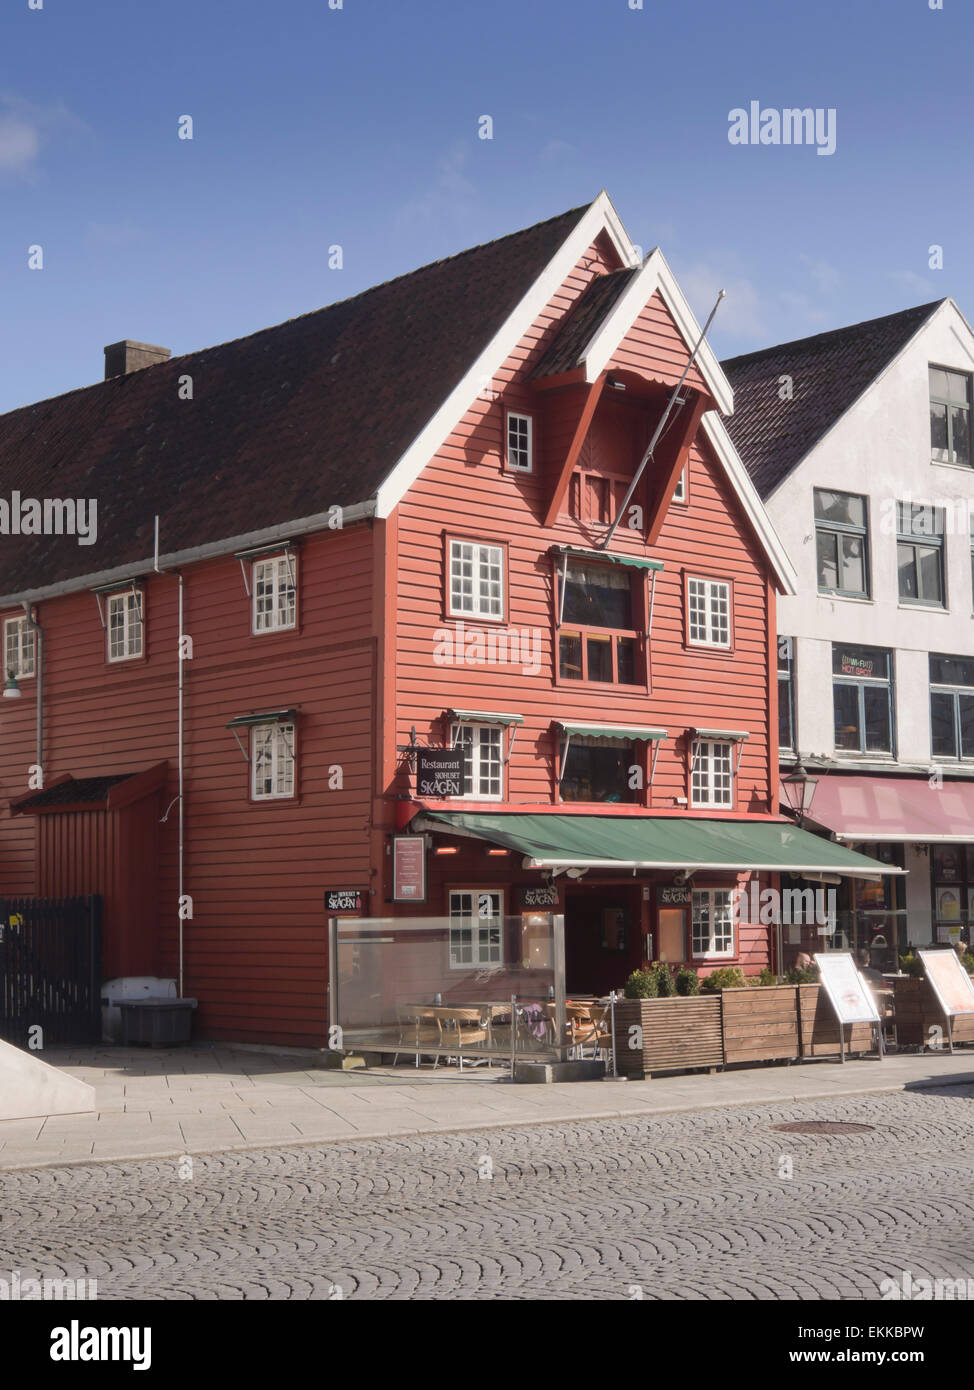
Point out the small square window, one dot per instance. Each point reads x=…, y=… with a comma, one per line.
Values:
x=520, y=443
x=126, y=625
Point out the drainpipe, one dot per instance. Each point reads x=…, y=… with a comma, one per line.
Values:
x=181, y=817
x=36, y=629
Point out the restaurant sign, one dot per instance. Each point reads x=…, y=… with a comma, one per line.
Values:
x=439, y=772
x=343, y=900
x=409, y=868
x=538, y=895
x=668, y=895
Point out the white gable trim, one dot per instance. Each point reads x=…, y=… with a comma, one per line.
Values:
x=601, y=216
x=656, y=275
x=748, y=497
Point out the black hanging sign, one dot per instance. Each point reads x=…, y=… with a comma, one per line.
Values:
x=538, y=895
x=439, y=772
x=668, y=895
x=343, y=900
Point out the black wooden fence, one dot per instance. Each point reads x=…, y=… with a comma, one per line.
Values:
x=50, y=970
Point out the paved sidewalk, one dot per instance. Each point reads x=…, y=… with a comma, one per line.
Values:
x=154, y=1104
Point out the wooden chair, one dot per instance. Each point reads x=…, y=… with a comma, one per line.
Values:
x=417, y=1026
x=460, y=1027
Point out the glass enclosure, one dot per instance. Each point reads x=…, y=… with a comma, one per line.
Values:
x=444, y=986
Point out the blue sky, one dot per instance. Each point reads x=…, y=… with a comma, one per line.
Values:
x=359, y=127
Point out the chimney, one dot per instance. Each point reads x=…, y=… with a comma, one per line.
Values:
x=127, y=356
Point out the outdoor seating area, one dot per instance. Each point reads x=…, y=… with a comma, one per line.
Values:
x=482, y=1031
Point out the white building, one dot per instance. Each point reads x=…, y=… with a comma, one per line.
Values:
x=860, y=443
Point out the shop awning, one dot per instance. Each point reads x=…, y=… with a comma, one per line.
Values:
x=479, y=716
x=894, y=809
x=554, y=841
x=622, y=733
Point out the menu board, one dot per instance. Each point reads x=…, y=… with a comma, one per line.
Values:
x=847, y=990
x=951, y=983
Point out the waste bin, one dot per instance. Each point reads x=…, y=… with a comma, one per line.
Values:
x=158, y=1022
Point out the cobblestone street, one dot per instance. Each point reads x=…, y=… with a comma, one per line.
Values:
x=687, y=1206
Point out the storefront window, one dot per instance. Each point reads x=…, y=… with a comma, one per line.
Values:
x=862, y=691
x=953, y=891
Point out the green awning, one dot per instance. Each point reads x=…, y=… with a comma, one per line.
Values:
x=479, y=716
x=622, y=733
x=637, y=562
x=272, y=716
x=555, y=841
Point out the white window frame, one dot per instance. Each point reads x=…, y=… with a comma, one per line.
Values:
x=703, y=773
x=722, y=917
x=283, y=583
x=482, y=554
x=680, y=491
x=24, y=666
x=132, y=627
x=283, y=750
x=473, y=738
x=483, y=953
x=523, y=445
x=711, y=591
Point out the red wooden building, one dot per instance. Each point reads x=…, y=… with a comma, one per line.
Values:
x=382, y=528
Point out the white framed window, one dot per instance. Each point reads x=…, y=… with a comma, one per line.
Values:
x=712, y=931
x=483, y=761
x=680, y=491
x=712, y=774
x=274, y=590
x=476, y=928
x=272, y=761
x=520, y=443
x=708, y=612
x=18, y=648
x=476, y=580
x=126, y=625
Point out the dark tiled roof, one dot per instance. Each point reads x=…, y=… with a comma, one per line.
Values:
x=284, y=424
x=582, y=321
x=82, y=791
x=829, y=372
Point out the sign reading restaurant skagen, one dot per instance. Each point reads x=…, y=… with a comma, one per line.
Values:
x=439, y=772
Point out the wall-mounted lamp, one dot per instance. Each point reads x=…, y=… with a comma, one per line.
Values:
x=11, y=690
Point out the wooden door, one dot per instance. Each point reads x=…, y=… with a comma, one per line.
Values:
x=672, y=933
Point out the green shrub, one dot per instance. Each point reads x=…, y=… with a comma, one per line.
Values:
x=806, y=975
x=665, y=983
x=726, y=977
x=911, y=965
x=764, y=979
x=687, y=981
x=967, y=961
x=642, y=984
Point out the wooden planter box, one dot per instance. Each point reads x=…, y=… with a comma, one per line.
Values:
x=917, y=1011
x=761, y=1025
x=677, y=1033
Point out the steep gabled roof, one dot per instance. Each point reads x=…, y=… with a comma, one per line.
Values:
x=283, y=424
x=829, y=372
x=595, y=302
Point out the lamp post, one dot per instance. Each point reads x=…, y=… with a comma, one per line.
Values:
x=799, y=788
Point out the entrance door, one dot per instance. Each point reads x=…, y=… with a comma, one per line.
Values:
x=602, y=937
x=672, y=933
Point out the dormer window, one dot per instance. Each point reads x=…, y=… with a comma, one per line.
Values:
x=950, y=416
x=520, y=443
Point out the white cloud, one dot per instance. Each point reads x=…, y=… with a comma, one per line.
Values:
x=20, y=143
x=451, y=195
x=25, y=128
x=739, y=314
x=912, y=283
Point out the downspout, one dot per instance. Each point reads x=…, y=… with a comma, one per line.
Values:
x=38, y=632
x=181, y=815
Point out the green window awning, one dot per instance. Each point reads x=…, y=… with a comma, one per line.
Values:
x=622, y=733
x=479, y=716
x=637, y=562
x=273, y=716
x=556, y=841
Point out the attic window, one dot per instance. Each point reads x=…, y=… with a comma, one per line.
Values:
x=274, y=591
x=125, y=625
x=520, y=443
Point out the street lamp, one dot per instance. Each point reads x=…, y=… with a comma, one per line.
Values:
x=799, y=789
